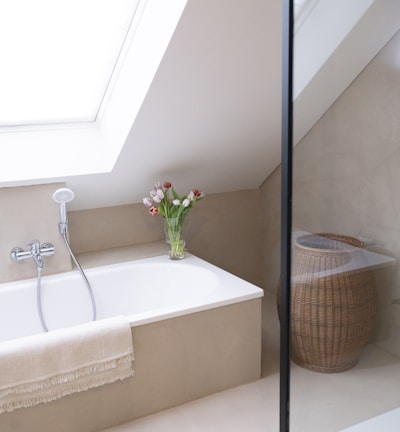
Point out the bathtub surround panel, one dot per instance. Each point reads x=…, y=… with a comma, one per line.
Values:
x=29, y=213
x=199, y=355
x=224, y=229
x=112, y=227
x=176, y=360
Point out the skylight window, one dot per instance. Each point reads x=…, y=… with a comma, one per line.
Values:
x=31, y=148
x=58, y=57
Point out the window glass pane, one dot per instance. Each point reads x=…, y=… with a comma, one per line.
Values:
x=58, y=56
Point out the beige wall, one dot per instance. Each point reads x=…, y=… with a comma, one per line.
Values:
x=226, y=230
x=347, y=176
x=29, y=213
x=222, y=228
x=271, y=208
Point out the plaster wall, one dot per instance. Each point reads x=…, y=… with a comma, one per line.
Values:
x=222, y=228
x=345, y=180
x=271, y=208
x=29, y=213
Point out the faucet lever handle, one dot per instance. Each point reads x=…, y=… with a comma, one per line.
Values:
x=47, y=249
x=34, y=244
x=18, y=254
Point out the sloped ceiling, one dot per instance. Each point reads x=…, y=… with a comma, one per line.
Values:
x=211, y=118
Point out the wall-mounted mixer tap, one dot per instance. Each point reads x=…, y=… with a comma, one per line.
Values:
x=37, y=251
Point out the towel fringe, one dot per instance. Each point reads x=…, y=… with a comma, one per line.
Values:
x=78, y=381
x=45, y=367
x=68, y=377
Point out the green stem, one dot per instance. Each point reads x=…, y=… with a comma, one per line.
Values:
x=174, y=227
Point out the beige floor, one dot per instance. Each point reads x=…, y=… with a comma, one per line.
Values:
x=319, y=402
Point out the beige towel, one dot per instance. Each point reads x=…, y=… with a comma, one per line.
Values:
x=48, y=366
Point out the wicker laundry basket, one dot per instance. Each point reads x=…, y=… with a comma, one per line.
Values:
x=332, y=308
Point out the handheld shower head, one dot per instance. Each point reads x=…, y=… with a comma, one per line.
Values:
x=61, y=197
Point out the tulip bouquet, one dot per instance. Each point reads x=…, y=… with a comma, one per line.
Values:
x=165, y=201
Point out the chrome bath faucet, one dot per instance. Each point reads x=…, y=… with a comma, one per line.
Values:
x=37, y=251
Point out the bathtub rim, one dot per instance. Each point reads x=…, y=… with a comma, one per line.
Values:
x=140, y=318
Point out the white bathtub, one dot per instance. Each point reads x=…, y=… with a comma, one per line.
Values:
x=145, y=290
x=196, y=330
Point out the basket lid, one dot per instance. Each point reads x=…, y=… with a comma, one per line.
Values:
x=327, y=241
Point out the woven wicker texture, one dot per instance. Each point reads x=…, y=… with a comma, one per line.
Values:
x=332, y=312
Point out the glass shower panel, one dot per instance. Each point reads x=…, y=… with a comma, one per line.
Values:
x=345, y=286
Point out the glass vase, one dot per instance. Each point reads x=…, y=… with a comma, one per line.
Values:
x=174, y=237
